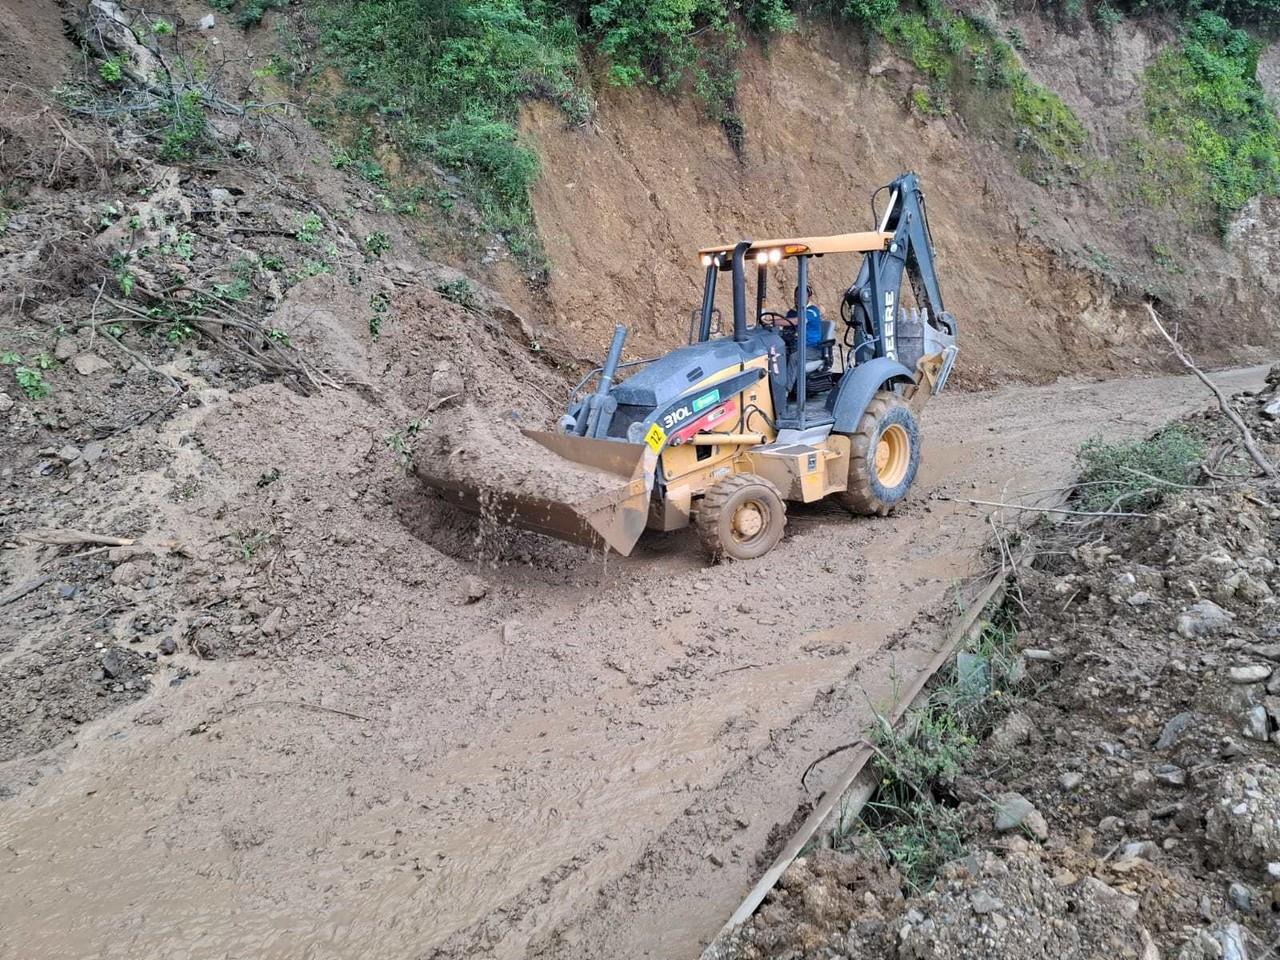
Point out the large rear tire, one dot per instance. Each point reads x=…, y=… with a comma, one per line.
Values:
x=884, y=456
x=742, y=517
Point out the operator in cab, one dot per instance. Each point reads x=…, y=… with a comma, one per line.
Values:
x=812, y=317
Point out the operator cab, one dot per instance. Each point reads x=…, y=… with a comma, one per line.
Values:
x=806, y=366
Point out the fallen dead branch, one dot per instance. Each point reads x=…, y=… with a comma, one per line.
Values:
x=1246, y=435
x=69, y=536
x=22, y=589
x=308, y=706
x=1035, y=509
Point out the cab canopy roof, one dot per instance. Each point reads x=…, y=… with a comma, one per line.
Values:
x=771, y=251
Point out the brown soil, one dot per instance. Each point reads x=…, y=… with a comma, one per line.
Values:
x=351, y=719
x=492, y=456
x=1145, y=736
x=1043, y=279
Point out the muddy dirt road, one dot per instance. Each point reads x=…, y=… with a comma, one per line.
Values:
x=582, y=762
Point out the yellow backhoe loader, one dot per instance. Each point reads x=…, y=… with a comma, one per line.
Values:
x=722, y=432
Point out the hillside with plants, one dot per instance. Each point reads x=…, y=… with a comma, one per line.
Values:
x=1122, y=153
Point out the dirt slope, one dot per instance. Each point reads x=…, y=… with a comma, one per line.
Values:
x=623, y=205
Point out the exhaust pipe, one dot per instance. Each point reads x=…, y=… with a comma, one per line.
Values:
x=740, y=292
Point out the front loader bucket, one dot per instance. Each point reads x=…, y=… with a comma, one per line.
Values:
x=591, y=492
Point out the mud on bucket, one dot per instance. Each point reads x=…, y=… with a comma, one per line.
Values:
x=584, y=491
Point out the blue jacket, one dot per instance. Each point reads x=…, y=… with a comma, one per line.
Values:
x=812, y=325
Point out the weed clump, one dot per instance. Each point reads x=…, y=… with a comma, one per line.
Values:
x=1136, y=474
x=913, y=814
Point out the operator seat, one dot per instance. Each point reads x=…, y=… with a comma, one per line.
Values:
x=820, y=356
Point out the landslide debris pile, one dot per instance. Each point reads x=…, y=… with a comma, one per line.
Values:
x=213, y=375
x=1128, y=804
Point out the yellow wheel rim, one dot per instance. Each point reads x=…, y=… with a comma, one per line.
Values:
x=748, y=521
x=893, y=455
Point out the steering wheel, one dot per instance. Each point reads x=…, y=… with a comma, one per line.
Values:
x=772, y=319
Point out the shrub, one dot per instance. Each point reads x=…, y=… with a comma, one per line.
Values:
x=1135, y=474
x=1204, y=94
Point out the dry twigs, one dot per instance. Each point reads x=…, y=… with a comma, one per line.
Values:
x=1246, y=435
x=69, y=536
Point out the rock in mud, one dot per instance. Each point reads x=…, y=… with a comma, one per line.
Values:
x=1241, y=897
x=87, y=364
x=1173, y=730
x=1272, y=410
x=1255, y=723
x=1204, y=619
x=474, y=589
x=168, y=646
x=1014, y=811
x=1249, y=673
x=271, y=625
x=1013, y=908
x=1243, y=824
x=6, y=402
x=113, y=664
x=1012, y=732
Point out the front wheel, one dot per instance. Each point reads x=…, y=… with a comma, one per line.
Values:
x=742, y=517
x=884, y=456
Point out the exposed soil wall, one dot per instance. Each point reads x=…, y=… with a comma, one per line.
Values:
x=1043, y=280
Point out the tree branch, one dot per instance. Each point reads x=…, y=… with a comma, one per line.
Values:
x=1250, y=445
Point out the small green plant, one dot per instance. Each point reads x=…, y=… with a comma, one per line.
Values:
x=112, y=70
x=381, y=305
x=183, y=248
x=400, y=442
x=309, y=228
x=186, y=128
x=10, y=359
x=276, y=335
x=1165, y=258
x=312, y=268
x=1108, y=18
x=376, y=244
x=1100, y=260
x=1136, y=474
x=459, y=291
x=31, y=381
x=919, y=761
x=124, y=276
x=235, y=291
x=161, y=27
x=273, y=262
x=249, y=542
x=1203, y=94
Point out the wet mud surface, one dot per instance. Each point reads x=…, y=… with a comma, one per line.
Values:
x=424, y=738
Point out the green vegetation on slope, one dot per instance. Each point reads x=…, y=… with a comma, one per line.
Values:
x=1204, y=95
x=445, y=79
x=949, y=47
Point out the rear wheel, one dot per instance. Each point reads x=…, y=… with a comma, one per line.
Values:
x=742, y=517
x=884, y=456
